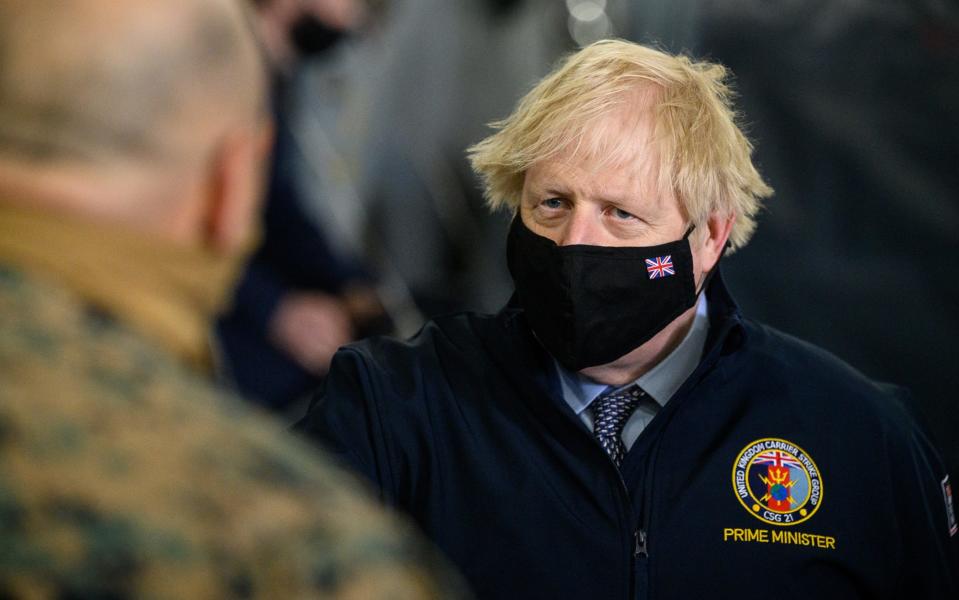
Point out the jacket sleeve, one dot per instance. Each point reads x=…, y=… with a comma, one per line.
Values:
x=345, y=418
x=258, y=294
x=930, y=545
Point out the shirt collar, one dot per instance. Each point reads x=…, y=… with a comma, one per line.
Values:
x=660, y=382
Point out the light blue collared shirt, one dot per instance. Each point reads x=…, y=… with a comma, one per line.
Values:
x=659, y=383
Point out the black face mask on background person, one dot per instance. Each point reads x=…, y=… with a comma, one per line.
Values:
x=311, y=36
x=589, y=305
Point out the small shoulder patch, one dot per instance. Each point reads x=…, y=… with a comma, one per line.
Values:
x=950, y=509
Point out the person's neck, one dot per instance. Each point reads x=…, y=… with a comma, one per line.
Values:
x=630, y=367
x=167, y=291
x=126, y=196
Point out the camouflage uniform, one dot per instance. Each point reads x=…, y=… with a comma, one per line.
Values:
x=122, y=474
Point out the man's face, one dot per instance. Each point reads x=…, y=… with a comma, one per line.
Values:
x=606, y=191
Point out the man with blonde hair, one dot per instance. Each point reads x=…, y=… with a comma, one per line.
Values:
x=132, y=136
x=620, y=429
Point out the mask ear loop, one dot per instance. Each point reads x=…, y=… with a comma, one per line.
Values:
x=709, y=275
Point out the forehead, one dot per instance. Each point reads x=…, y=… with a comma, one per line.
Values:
x=617, y=156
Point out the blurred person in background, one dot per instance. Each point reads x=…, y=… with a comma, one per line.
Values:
x=620, y=429
x=132, y=143
x=423, y=86
x=301, y=296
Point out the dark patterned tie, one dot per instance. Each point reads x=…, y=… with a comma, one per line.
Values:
x=610, y=413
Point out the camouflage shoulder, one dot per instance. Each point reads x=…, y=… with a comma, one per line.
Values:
x=123, y=474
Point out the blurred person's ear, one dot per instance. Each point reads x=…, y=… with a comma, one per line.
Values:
x=237, y=172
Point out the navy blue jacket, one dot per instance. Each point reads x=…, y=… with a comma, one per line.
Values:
x=465, y=428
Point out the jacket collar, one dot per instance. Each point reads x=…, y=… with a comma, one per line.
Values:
x=726, y=330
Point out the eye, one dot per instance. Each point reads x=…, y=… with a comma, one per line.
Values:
x=552, y=203
x=622, y=214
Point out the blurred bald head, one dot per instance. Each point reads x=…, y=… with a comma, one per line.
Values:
x=150, y=114
x=137, y=79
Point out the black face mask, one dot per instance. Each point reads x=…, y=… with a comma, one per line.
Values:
x=312, y=37
x=589, y=305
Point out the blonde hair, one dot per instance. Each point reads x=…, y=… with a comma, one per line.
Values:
x=705, y=158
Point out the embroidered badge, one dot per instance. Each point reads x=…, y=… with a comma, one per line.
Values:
x=950, y=511
x=777, y=482
x=660, y=266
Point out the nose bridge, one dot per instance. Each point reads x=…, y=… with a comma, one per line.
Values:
x=579, y=228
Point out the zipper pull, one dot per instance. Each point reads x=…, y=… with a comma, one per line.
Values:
x=640, y=551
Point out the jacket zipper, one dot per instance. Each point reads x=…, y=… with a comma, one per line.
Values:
x=638, y=535
x=640, y=551
x=641, y=535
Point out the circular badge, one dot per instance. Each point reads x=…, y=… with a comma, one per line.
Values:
x=777, y=482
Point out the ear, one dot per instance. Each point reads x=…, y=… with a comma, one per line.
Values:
x=717, y=227
x=237, y=171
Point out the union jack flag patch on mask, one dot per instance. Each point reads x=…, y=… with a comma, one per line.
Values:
x=661, y=266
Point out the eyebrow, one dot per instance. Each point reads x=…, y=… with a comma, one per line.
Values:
x=556, y=190
x=561, y=191
x=552, y=187
x=548, y=189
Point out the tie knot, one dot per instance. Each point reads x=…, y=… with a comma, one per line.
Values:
x=614, y=408
x=610, y=413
